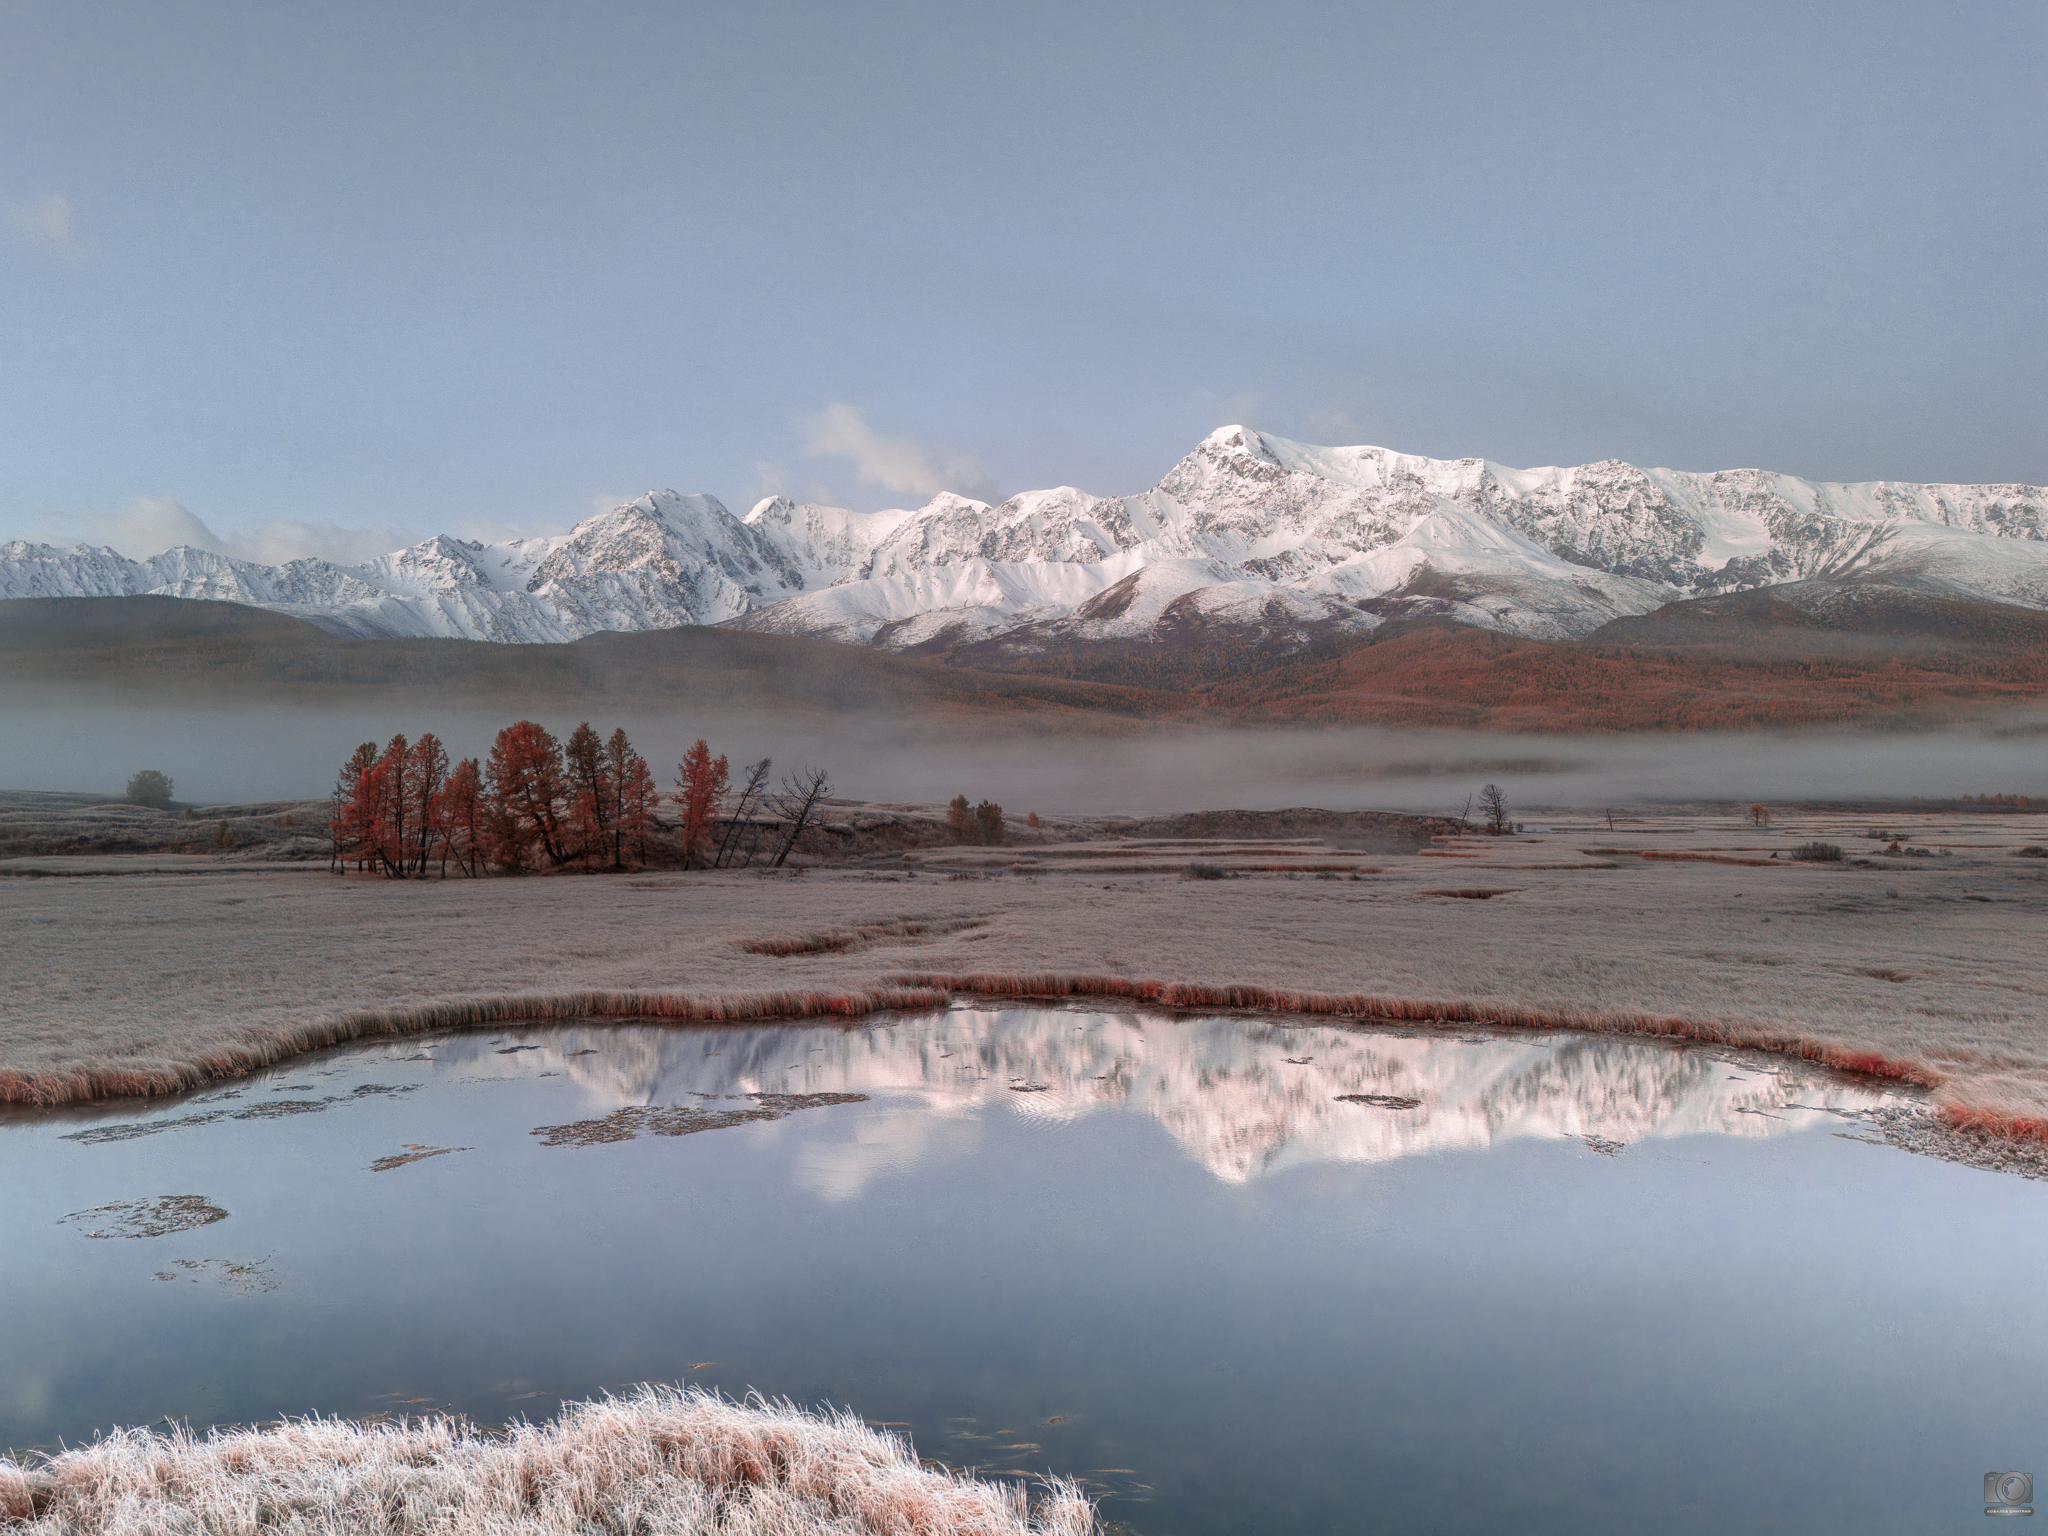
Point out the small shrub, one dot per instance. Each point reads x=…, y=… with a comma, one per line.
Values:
x=152, y=788
x=2032, y=851
x=1204, y=872
x=1818, y=853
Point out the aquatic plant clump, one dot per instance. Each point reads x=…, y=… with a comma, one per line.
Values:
x=674, y=1461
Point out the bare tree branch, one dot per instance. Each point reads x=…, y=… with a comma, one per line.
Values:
x=797, y=804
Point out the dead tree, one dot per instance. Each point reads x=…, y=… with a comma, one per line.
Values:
x=797, y=804
x=750, y=797
x=1493, y=801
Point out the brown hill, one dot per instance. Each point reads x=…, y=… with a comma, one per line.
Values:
x=1473, y=678
x=170, y=650
x=1717, y=664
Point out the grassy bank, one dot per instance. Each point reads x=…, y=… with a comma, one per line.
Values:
x=677, y=1462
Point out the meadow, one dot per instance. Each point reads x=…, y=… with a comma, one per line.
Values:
x=149, y=974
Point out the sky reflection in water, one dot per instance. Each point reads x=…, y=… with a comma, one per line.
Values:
x=1209, y=1263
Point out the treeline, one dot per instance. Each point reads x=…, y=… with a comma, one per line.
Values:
x=536, y=803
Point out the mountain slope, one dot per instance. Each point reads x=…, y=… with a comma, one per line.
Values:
x=1249, y=535
x=1699, y=673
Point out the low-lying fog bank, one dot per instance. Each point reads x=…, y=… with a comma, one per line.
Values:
x=1145, y=769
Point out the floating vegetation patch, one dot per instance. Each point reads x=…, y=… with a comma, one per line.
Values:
x=414, y=1152
x=1471, y=893
x=148, y=1218
x=1380, y=1100
x=682, y=1119
x=128, y=1130
x=249, y=1277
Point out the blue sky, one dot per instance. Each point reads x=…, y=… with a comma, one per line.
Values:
x=320, y=279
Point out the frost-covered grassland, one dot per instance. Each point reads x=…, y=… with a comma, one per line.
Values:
x=1931, y=965
x=675, y=1462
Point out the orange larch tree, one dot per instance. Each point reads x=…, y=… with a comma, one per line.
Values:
x=638, y=800
x=425, y=780
x=529, y=794
x=344, y=821
x=701, y=780
x=382, y=794
x=591, y=795
x=464, y=824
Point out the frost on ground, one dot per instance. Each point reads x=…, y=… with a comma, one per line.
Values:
x=658, y=1460
x=1926, y=964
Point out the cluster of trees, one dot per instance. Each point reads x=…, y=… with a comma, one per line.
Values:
x=533, y=803
x=536, y=803
x=982, y=823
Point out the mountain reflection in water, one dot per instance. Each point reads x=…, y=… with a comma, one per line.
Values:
x=1244, y=1097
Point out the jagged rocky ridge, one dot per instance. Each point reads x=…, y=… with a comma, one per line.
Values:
x=1250, y=535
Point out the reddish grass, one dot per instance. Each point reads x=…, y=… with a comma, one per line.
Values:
x=244, y=1056
x=1993, y=1122
x=1164, y=994
x=1606, y=865
x=1709, y=858
x=860, y=935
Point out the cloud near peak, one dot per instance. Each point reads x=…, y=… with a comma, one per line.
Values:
x=894, y=463
x=47, y=220
x=149, y=525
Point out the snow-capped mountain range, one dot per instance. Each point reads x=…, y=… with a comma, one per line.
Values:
x=1249, y=534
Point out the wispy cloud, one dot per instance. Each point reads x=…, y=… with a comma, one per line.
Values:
x=46, y=221
x=149, y=525
x=894, y=463
x=1250, y=409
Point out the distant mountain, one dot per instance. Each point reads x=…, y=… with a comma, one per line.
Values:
x=1248, y=538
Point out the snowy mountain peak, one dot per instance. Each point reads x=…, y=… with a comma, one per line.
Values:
x=1249, y=532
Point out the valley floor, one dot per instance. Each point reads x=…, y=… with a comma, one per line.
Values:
x=155, y=972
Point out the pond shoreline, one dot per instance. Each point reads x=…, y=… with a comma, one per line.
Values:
x=1928, y=971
